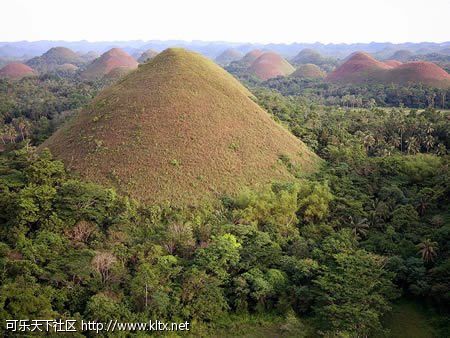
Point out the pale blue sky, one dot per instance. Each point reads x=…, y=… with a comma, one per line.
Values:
x=232, y=20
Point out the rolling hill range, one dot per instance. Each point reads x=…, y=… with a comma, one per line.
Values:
x=270, y=65
x=363, y=68
x=114, y=58
x=15, y=71
x=402, y=55
x=53, y=58
x=178, y=129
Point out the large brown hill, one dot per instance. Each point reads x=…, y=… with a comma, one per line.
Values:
x=419, y=72
x=270, y=65
x=15, y=71
x=109, y=60
x=178, y=129
x=360, y=67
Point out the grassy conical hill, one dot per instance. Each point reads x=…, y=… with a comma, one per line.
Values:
x=228, y=56
x=54, y=58
x=423, y=72
x=178, y=129
x=308, y=71
x=359, y=67
x=114, y=58
x=15, y=71
x=270, y=65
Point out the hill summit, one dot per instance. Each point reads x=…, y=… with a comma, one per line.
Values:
x=178, y=129
x=114, y=58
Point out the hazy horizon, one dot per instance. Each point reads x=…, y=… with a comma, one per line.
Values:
x=349, y=21
x=443, y=42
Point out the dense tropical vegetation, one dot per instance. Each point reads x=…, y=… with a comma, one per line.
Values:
x=328, y=254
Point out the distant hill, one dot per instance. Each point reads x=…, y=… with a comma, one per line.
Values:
x=15, y=71
x=89, y=56
x=402, y=55
x=361, y=67
x=309, y=71
x=147, y=55
x=53, y=58
x=179, y=129
x=227, y=56
x=212, y=49
x=67, y=68
x=113, y=58
x=308, y=55
x=270, y=65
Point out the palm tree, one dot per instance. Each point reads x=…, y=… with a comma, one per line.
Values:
x=7, y=133
x=429, y=142
x=441, y=149
x=369, y=141
x=359, y=226
x=427, y=249
x=413, y=146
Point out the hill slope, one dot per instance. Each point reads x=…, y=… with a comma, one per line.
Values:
x=179, y=129
x=393, y=63
x=15, y=71
x=113, y=58
x=270, y=65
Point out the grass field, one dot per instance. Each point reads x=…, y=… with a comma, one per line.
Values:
x=410, y=319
